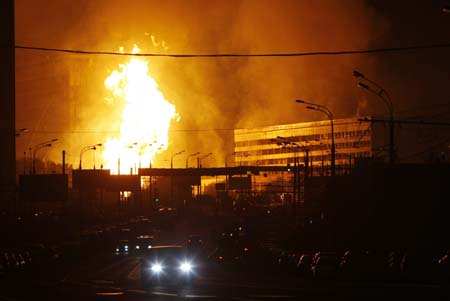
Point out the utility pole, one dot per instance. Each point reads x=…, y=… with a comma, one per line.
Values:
x=7, y=102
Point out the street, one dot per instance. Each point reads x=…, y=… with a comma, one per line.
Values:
x=93, y=271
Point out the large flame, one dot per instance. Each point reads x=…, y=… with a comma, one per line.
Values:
x=145, y=119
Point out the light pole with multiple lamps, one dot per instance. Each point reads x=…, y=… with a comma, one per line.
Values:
x=326, y=111
x=85, y=149
x=38, y=147
x=388, y=102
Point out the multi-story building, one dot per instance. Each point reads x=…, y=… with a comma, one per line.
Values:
x=310, y=142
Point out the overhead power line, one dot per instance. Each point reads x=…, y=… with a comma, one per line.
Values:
x=212, y=55
x=418, y=122
x=255, y=129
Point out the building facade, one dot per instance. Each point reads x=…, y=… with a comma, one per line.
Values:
x=308, y=143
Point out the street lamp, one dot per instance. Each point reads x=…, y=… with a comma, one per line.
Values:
x=20, y=131
x=199, y=159
x=326, y=111
x=191, y=155
x=85, y=149
x=141, y=149
x=38, y=147
x=227, y=156
x=174, y=155
x=131, y=145
x=386, y=98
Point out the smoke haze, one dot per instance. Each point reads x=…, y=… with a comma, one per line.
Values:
x=63, y=95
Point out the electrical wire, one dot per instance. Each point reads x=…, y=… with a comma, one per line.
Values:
x=213, y=55
x=257, y=129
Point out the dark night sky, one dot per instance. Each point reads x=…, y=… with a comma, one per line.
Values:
x=62, y=95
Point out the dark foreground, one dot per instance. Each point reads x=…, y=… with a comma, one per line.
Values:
x=84, y=264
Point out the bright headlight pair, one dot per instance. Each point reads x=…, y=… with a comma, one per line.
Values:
x=185, y=267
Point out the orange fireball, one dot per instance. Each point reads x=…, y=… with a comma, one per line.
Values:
x=146, y=118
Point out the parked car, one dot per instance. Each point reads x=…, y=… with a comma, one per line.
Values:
x=443, y=268
x=288, y=260
x=419, y=265
x=325, y=265
x=304, y=266
x=195, y=244
x=142, y=243
x=122, y=247
x=355, y=264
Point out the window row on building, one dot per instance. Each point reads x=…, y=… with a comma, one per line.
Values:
x=307, y=138
x=316, y=147
x=319, y=159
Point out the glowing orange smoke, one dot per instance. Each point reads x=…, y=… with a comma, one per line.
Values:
x=145, y=119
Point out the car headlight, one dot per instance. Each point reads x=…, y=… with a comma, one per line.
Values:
x=186, y=267
x=117, y=250
x=156, y=268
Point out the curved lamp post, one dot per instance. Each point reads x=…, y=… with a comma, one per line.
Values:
x=326, y=111
x=386, y=98
x=171, y=176
x=199, y=159
x=173, y=156
x=191, y=155
x=85, y=149
x=38, y=147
